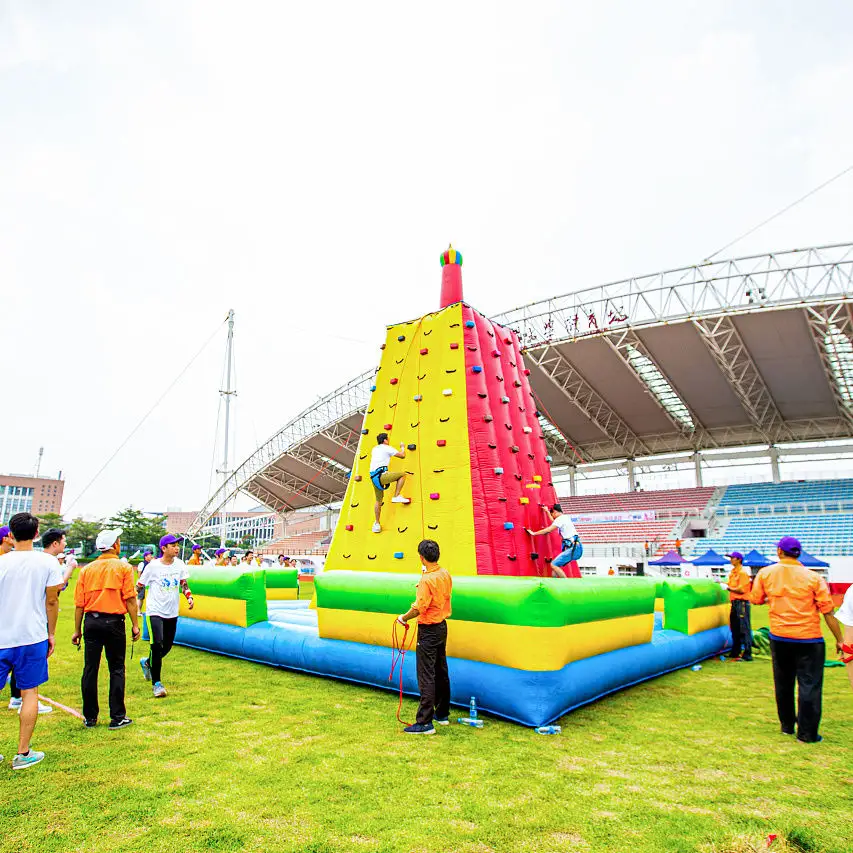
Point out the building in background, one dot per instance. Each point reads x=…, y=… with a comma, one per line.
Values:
x=37, y=495
x=260, y=525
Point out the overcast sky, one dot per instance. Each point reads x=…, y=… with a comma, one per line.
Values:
x=305, y=164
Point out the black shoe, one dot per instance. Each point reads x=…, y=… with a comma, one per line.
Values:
x=786, y=732
x=120, y=724
x=818, y=739
x=90, y=724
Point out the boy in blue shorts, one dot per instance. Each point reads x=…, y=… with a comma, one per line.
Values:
x=29, y=604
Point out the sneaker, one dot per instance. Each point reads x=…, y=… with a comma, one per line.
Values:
x=44, y=708
x=146, y=668
x=377, y=528
x=818, y=739
x=90, y=724
x=159, y=690
x=399, y=499
x=420, y=729
x=120, y=724
x=15, y=704
x=21, y=762
x=441, y=721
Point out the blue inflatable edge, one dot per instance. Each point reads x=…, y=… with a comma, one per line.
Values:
x=526, y=697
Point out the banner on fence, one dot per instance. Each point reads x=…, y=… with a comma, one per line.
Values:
x=605, y=517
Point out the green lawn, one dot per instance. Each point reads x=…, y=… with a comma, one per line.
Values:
x=244, y=757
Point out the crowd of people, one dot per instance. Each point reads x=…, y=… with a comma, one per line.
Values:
x=106, y=595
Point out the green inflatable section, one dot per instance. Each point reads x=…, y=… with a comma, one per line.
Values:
x=681, y=596
x=231, y=582
x=539, y=602
x=282, y=578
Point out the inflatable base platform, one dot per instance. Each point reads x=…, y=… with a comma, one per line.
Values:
x=290, y=639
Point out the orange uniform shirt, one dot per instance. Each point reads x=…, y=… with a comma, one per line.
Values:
x=739, y=579
x=433, y=597
x=796, y=597
x=104, y=585
x=195, y=560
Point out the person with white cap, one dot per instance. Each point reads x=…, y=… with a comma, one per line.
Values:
x=103, y=596
x=165, y=579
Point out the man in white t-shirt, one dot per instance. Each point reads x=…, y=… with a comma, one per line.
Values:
x=165, y=579
x=29, y=604
x=572, y=548
x=844, y=615
x=382, y=478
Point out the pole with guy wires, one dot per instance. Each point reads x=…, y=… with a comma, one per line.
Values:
x=228, y=392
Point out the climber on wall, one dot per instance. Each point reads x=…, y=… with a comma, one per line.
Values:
x=381, y=477
x=572, y=548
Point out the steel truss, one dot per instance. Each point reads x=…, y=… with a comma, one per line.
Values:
x=832, y=329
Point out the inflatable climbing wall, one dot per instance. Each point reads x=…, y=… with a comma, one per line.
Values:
x=452, y=387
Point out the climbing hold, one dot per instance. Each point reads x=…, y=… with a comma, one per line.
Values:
x=398, y=555
x=534, y=555
x=382, y=347
x=503, y=399
x=499, y=378
x=496, y=353
x=526, y=430
x=514, y=448
x=422, y=377
x=537, y=478
x=454, y=346
x=372, y=387
x=394, y=381
x=469, y=324
x=424, y=351
x=471, y=348
x=476, y=369
x=526, y=372
x=537, y=413
x=507, y=340
x=511, y=558
x=482, y=395
x=349, y=474
x=349, y=527
x=492, y=446
x=346, y=556
x=448, y=392
x=502, y=500
x=387, y=426
x=517, y=384
x=434, y=496
x=518, y=477
x=432, y=527
x=488, y=418
x=533, y=486
x=443, y=420
x=401, y=337
x=365, y=431
x=411, y=447
x=441, y=442
x=418, y=397
x=549, y=458
x=530, y=456
x=499, y=470
x=508, y=525
x=508, y=426
x=524, y=501
x=358, y=478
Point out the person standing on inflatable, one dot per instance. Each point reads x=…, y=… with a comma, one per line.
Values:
x=432, y=609
x=572, y=548
x=381, y=477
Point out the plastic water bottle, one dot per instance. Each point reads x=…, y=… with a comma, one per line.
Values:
x=472, y=719
x=696, y=667
x=549, y=730
x=472, y=713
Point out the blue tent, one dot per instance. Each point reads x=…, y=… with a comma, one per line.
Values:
x=812, y=562
x=756, y=560
x=711, y=558
x=671, y=558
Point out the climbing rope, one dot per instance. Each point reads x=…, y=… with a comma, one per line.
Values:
x=398, y=656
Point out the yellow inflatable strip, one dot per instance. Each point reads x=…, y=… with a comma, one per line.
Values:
x=659, y=607
x=705, y=618
x=524, y=647
x=282, y=594
x=231, y=611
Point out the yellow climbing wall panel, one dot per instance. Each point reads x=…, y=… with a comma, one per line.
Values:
x=428, y=363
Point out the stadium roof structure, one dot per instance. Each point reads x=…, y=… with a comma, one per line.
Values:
x=755, y=350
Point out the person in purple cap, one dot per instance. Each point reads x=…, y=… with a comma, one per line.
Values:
x=796, y=598
x=222, y=556
x=165, y=579
x=195, y=560
x=739, y=585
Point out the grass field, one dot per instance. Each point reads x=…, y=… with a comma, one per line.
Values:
x=245, y=757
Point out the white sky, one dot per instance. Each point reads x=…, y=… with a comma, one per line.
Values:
x=305, y=164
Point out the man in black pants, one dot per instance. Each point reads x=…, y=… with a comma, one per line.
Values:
x=164, y=579
x=797, y=597
x=103, y=595
x=432, y=609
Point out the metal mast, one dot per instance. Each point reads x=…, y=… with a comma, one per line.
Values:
x=228, y=392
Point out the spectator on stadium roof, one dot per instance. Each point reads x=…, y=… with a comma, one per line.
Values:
x=796, y=597
x=739, y=585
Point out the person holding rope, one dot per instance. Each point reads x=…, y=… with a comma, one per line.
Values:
x=103, y=596
x=382, y=478
x=165, y=579
x=29, y=605
x=432, y=609
x=572, y=548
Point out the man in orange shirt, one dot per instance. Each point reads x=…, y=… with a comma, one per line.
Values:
x=432, y=609
x=796, y=597
x=739, y=585
x=104, y=594
x=195, y=560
